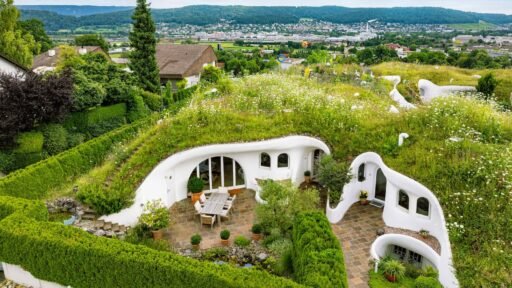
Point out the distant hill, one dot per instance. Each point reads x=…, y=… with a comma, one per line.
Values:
x=74, y=10
x=206, y=14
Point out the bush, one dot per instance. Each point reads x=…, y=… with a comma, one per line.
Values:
x=75, y=139
x=333, y=176
x=224, y=234
x=196, y=239
x=487, y=85
x=257, y=229
x=427, y=282
x=87, y=93
x=393, y=268
x=94, y=260
x=155, y=215
x=55, y=138
x=317, y=256
x=117, y=92
x=136, y=108
x=211, y=74
x=95, y=196
x=242, y=241
x=29, y=142
x=195, y=185
x=153, y=101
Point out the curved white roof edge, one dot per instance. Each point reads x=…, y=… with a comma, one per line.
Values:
x=351, y=195
x=395, y=94
x=155, y=185
x=429, y=91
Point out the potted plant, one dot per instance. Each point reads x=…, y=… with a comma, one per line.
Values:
x=195, y=240
x=224, y=237
x=155, y=217
x=393, y=270
x=307, y=176
x=256, y=229
x=195, y=186
x=363, y=197
x=424, y=233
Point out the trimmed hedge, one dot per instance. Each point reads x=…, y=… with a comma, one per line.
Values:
x=317, y=256
x=55, y=138
x=34, y=181
x=29, y=142
x=70, y=256
x=81, y=121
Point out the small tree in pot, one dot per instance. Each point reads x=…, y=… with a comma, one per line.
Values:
x=224, y=237
x=195, y=240
x=155, y=217
x=307, y=176
x=363, y=197
x=256, y=229
x=195, y=186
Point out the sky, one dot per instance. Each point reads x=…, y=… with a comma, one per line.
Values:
x=483, y=6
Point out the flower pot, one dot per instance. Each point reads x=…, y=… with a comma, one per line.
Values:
x=307, y=179
x=224, y=242
x=195, y=247
x=391, y=278
x=364, y=201
x=158, y=234
x=256, y=237
x=196, y=197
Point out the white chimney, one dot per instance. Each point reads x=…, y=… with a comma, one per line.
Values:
x=82, y=51
x=51, y=52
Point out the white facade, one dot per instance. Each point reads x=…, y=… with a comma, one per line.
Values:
x=20, y=276
x=429, y=91
x=168, y=181
x=9, y=68
x=384, y=185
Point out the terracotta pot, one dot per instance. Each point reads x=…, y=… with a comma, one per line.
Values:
x=364, y=201
x=158, y=234
x=234, y=192
x=224, y=242
x=196, y=197
x=391, y=278
x=195, y=247
x=307, y=179
x=256, y=237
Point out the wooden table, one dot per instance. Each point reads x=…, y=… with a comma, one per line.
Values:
x=215, y=204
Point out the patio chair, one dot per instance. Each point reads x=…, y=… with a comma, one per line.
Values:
x=208, y=220
x=230, y=203
x=198, y=207
x=203, y=198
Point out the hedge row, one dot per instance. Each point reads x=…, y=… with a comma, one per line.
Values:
x=34, y=181
x=70, y=256
x=81, y=121
x=317, y=256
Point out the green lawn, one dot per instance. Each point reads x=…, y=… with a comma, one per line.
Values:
x=481, y=25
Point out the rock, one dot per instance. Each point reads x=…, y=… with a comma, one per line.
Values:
x=100, y=233
x=262, y=257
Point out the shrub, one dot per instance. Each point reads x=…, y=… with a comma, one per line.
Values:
x=136, y=108
x=95, y=196
x=117, y=92
x=215, y=253
x=87, y=93
x=307, y=173
x=155, y=215
x=224, y=234
x=333, y=176
x=242, y=241
x=487, y=85
x=153, y=101
x=393, y=268
x=55, y=138
x=257, y=229
x=29, y=142
x=427, y=282
x=211, y=74
x=196, y=239
x=195, y=185
x=317, y=256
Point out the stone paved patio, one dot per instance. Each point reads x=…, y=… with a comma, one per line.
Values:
x=186, y=223
x=357, y=231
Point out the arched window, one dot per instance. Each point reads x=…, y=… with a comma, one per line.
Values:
x=282, y=160
x=403, y=199
x=423, y=206
x=360, y=173
x=264, y=160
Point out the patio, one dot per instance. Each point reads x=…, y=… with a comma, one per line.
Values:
x=185, y=222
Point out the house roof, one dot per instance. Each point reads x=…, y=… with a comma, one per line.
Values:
x=45, y=60
x=180, y=61
x=12, y=62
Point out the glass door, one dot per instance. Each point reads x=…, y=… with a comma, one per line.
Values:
x=380, y=186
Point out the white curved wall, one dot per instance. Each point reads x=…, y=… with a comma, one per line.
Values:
x=395, y=95
x=430, y=91
x=393, y=214
x=168, y=180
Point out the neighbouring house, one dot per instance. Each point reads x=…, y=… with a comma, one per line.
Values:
x=9, y=66
x=183, y=62
x=47, y=61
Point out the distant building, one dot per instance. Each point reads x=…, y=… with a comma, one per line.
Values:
x=401, y=51
x=178, y=62
x=9, y=66
x=47, y=61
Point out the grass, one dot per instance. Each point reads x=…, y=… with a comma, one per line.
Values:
x=480, y=26
x=377, y=280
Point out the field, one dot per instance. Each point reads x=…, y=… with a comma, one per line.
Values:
x=480, y=26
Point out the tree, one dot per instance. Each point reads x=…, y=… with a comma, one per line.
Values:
x=143, y=41
x=487, y=85
x=35, y=27
x=15, y=44
x=31, y=99
x=92, y=40
x=211, y=74
x=333, y=176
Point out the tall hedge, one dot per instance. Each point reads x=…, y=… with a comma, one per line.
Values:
x=81, y=121
x=70, y=256
x=317, y=256
x=34, y=181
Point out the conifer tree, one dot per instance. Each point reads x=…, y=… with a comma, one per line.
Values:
x=143, y=41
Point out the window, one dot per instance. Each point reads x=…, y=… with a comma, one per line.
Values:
x=423, y=206
x=399, y=251
x=264, y=160
x=282, y=160
x=414, y=258
x=403, y=199
x=360, y=173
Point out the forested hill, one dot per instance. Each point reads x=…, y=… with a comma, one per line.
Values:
x=205, y=14
x=74, y=10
